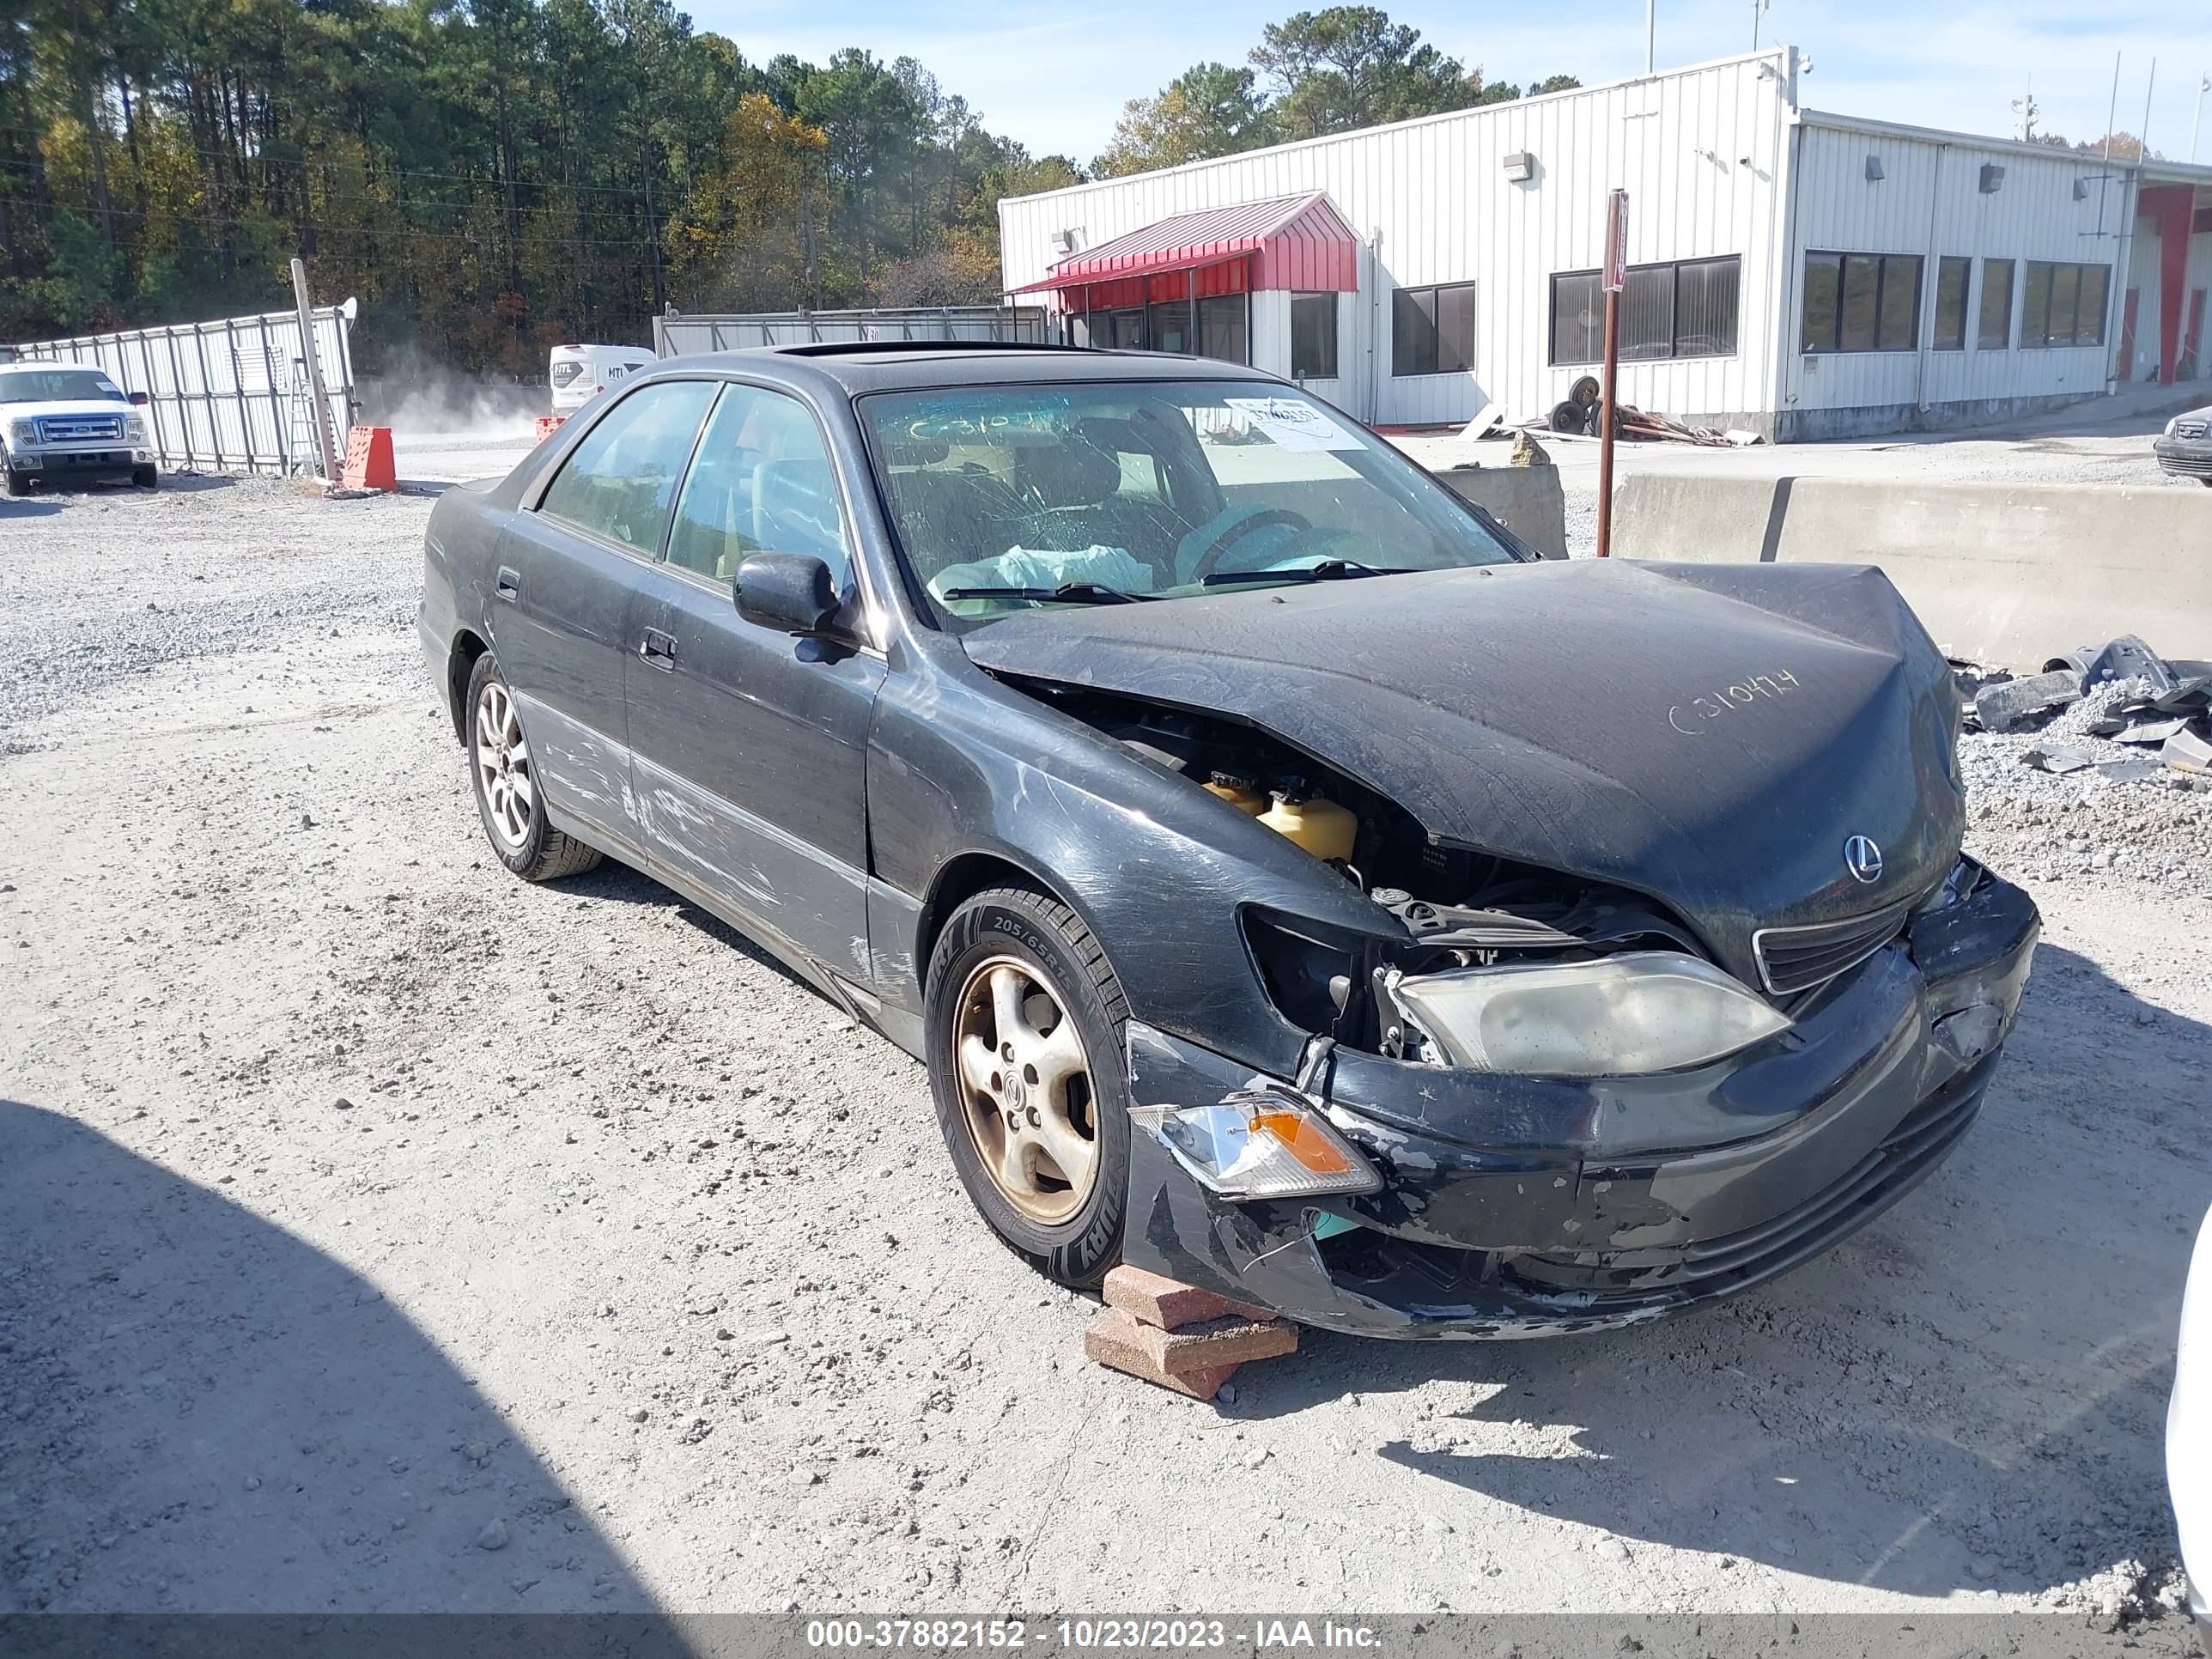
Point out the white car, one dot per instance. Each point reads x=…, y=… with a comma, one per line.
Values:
x=580, y=372
x=2189, y=1434
x=68, y=423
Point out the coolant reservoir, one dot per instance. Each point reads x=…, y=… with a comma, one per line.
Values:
x=1320, y=826
x=1240, y=792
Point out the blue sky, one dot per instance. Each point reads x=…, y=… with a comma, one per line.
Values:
x=1055, y=76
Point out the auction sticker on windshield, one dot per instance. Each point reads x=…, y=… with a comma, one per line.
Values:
x=1293, y=423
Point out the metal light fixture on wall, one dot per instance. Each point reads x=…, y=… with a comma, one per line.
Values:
x=1992, y=178
x=1520, y=167
x=1874, y=172
x=2081, y=190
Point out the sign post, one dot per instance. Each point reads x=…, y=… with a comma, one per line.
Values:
x=1615, y=278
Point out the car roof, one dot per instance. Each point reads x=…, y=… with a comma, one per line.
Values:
x=857, y=367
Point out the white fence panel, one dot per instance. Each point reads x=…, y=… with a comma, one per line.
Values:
x=229, y=395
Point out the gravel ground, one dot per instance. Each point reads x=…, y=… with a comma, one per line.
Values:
x=384, y=1233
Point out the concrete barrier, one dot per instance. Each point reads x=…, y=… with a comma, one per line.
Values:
x=2007, y=574
x=1526, y=500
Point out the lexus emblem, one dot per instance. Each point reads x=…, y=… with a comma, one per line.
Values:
x=1862, y=859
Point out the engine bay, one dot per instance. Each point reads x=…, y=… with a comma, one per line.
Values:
x=1460, y=907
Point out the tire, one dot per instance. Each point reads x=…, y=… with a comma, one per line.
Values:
x=17, y=483
x=509, y=799
x=1070, y=1239
x=145, y=477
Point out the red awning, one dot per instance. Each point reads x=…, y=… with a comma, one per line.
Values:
x=1291, y=242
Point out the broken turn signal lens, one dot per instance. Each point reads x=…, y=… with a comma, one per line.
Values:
x=1259, y=1142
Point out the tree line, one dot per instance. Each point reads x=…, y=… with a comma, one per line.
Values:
x=494, y=177
x=1313, y=74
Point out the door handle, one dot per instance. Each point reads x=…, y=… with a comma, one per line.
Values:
x=508, y=584
x=658, y=648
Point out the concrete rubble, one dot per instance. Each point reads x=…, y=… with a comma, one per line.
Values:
x=2097, y=768
x=2152, y=715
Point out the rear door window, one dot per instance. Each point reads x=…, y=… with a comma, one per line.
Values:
x=619, y=483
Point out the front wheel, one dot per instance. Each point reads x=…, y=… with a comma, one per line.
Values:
x=18, y=483
x=509, y=798
x=1027, y=1027
x=145, y=477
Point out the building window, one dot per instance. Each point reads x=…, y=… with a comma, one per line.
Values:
x=1995, y=333
x=1313, y=337
x=1223, y=330
x=1953, y=275
x=1861, y=303
x=2063, y=305
x=1684, y=309
x=1432, y=330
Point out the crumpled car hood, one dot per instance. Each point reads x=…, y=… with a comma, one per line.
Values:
x=1709, y=734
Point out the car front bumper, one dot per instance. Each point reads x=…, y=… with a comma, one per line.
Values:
x=2189, y=1433
x=56, y=464
x=2185, y=457
x=1524, y=1207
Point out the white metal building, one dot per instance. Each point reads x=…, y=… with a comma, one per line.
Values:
x=1799, y=273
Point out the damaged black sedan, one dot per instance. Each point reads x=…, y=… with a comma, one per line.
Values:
x=1293, y=885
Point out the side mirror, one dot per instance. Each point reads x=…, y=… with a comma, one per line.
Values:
x=791, y=592
x=139, y=400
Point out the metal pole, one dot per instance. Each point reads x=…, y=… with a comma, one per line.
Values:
x=2142, y=138
x=1650, y=35
x=1606, y=424
x=1616, y=271
x=2203, y=85
x=326, y=443
x=2111, y=115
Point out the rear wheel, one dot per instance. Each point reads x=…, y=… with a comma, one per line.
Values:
x=504, y=775
x=1027, y=1027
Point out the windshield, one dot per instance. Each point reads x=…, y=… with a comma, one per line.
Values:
x=1011, y=496
x=58, y=386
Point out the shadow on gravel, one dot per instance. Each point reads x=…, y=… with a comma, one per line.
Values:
x=620, y=885
x=200, y=1413
x=18, y=506
x=1969, y=1395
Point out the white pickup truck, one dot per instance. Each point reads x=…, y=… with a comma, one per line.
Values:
x=63, y=424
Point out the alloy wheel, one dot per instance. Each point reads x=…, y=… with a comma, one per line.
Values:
x=503, y=766
x=1025, y=1082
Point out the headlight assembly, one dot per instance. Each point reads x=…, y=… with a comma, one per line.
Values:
x=23, y=432
x=1260, y=1143
x=134, y=429
x=1624, y=1016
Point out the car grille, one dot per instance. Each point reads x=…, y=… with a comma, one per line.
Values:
x=1716, y=1267
x=1793, y=959
x=2188, y=466
x=80, y=428
x=2191, y=428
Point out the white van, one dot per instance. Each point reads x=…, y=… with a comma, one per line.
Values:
x=580, y=372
